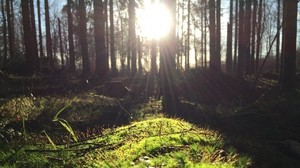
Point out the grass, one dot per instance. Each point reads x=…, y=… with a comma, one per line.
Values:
x=149, y=140
x=159, y=142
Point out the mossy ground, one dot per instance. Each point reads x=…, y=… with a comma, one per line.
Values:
x=159, y=142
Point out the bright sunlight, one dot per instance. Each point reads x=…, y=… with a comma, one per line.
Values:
x=154, y=20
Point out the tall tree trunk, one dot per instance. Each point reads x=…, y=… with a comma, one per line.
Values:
x=205, y=33
x=278, y=38
x=288, y=82
x=253, y=43
x=31, y=53
x=212, y=35
x=72, y=67
x=4, y=31
x=140, y=55
x=102, y=66
x=170, y=100
x=112, y=38
x=217, y=63
x=10, y=27
x=48, y=35
x=259, y=35
x=187, y=56
x=61, y=49
x=241, y=56
x=132, y=35
x=82, y=23
x=229, y=40
x=40, y=29
x=236, y=37
x=247, y=35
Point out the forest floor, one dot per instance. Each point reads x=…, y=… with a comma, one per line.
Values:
x=259, y=122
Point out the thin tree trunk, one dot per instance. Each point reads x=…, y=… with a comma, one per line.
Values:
x=278, y=39
x=82, y=23
x=247, y=36
x=212, y=34
x=10, y=27
x=205, y=34
x=4, y=32
x=72, y=67
x=229, y=40
x=48, y=35
x=60, y=44
x=253, y=43
x=132, y=35
x=40, y=29
x=236, y=37
x=259, y=36
x=241, y=56
x=217, y=63
x=187, y=57
x=112, y=38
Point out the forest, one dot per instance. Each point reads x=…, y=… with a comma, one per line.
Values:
x=149, y=83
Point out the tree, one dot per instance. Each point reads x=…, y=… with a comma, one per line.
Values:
x=170, y=100
x=83, y=37
x=187, y=56
x=132, y=35
x=10, y=27
x=212, y=34
x=247, y=35
x=4, y=31
x=241, y=59
x=112, y=38
x=236, y=36
x=278, y=38
x=217, y=62
x=60, y=44
x=253, y=43
x=40, y=29
x=229, y=39
x=31, y=53
x=48, y=35
x=72, y=67
x=259, y=35
x=289, y=34
x=101, y=55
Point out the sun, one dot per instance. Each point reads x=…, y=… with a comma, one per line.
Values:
x=154, y=20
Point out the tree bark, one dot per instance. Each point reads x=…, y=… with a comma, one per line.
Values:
x=82, y=23
x=236, y=37
x=253, y=43
x=288, y=82
x=72, y=67
x=40, y=29
x=10, y=27
x=247, y=36
x=278, y=38
x=170, y=100
x=112, y=38
x=217, y=63
x=241, y=56
x=61, y=49
x=212, y=35
x=132, y=35
x=229, y=40
x=31, y=54
x=102, y=67
x=259, y=36
x=4, y=32
x=48, y=35
x=187, y=56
